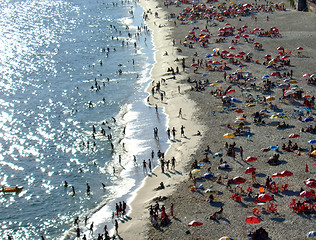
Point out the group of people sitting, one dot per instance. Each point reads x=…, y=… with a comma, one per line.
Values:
x=291, y=147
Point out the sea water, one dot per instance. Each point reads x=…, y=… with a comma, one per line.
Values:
x=69, y=68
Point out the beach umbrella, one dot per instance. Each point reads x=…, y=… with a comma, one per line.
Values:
x=311, y=234
x=252, y=220
x=270, y=98
x=285, y=57
x=245, y=26
x=228, y=135
x=195, y=171
x=215, y=49
x=267, y=56
x=306, y=96
x=223, y=166
x=230, y=55
x=242, y=53
x=208, y=175
x=280, y=48
x=294, y=135
x=218, y=154
x=314, y=153
x=251, y=159
x=312, y=141
x=192, y=33
x=310, y=183
x=194, y=65
x=250, y=170
x=256, y=43
x=245, y=35
x=239, y=180
x=273, y=147
x=289, y=92
x=286, y=173
x=299, y=48
x=232, y=48
x=239, y=111
x=307, y=194
x=274, y=74
x=308, y=119
x=265, y=197
x=225, y=52
x=306, y=75
x=225, y=238
x=278, y=174
x=237, y=37
x=195, y=223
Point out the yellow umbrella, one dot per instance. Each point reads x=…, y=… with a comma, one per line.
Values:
x=270, y=98
x=213, y=84
x=228, y=135
x=195, y=171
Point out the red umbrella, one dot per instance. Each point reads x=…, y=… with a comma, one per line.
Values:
x=294, y=135
x=252, y=220
x=195, y=65
x=310, y=183
x=230, y=55
x=242, y=53
x=278, y=174
x=195, y=223
x=307, y=194
x=192, y=32
x=251, y=159
x=285, y=57
x=267, y=56
x=238, y=56
x=245, y=35
x=232, y=48
x=225, y=52
x=245, y=26
x=265, y=197
x=239, y=111
x=287, y=173
x=237, y=37
x=274, y=74
x=300, y=48
x=250, y=170
x=256, y=43
x=239, y=180
x=280, y=48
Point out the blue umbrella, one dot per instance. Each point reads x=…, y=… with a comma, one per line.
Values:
x=311, y=234
x=208, y=175
x=208, y=55
x=269, y=66
x=312, y=141
x=308, y=119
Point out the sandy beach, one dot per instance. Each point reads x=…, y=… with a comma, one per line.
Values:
x=250, y=85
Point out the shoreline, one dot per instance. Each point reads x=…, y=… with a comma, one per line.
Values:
x=191, y=205
x=180, y=148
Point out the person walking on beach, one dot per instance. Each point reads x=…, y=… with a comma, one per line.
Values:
x=149, y=165
x=173, y=163
x=182, y=131
x=180, y=113
x=116, y=227
x=174, y=133
x=145, y=167
x=168, y=133
x=241, y=153
x=172, y=210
